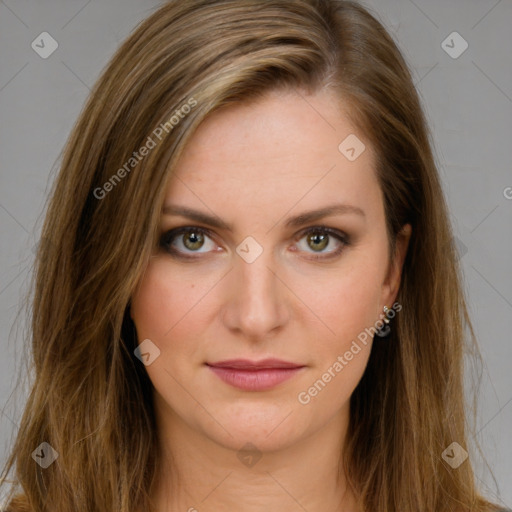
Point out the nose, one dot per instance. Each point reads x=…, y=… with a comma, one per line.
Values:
x=256, y=304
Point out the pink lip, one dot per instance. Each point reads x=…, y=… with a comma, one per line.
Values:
x=254, y=375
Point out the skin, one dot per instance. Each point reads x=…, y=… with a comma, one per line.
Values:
x=254, y=165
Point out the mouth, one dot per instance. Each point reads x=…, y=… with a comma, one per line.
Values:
x=254, y=375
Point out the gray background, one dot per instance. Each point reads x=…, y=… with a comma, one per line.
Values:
x=468, y=102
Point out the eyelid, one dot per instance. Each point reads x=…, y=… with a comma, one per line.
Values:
x=325, y=229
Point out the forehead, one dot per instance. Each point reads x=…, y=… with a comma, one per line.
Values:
x=274, y=152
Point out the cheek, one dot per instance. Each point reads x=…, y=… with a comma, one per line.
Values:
x=166, y=307
x=345, y=301
x=163, y=298
x=346, y=310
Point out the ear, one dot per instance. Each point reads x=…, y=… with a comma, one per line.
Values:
x=393, y=277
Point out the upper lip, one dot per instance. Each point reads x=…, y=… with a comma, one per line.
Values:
x=247, y=364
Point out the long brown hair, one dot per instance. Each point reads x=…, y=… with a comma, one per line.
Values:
x=91, y=398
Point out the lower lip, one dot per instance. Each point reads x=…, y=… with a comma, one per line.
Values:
x=254, y=380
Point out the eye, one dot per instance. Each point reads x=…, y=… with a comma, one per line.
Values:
x=320, y=238
x=187, y=239
x=192, y=239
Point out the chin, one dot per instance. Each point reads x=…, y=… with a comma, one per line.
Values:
x=267, y=426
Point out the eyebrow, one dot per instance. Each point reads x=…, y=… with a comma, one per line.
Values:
x=299, y=220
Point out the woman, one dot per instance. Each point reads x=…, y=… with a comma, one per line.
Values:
x=248, y=297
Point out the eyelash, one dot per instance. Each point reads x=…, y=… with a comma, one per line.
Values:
x=170, y=235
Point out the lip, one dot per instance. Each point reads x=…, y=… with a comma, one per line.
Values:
x=254, y=375
x=247, y=364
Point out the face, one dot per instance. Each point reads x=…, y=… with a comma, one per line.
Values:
x=256, y=276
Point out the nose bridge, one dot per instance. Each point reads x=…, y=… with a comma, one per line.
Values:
x=256, y=304
x=257, y=280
